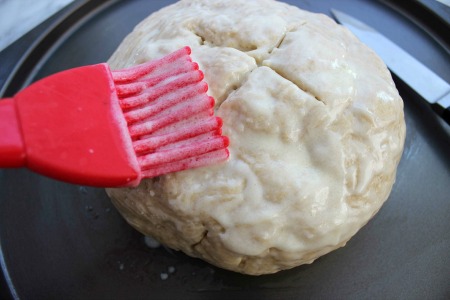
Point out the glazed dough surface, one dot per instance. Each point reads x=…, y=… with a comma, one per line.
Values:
x=316, y=128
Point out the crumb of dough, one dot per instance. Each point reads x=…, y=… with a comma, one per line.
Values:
x=316, y=128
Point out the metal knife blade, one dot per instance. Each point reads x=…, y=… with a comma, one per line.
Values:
x=425, y=82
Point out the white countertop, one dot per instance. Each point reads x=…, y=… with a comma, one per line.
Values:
x=17, y=17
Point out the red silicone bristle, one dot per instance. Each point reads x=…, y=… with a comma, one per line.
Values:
x=172, y=155
x=202, y=138
x=134, y=73
x=164, y=102
x=160, y=85
x=132, y=88
x=203, y=104
x=170, y=117
x=151, y=143
x=135, y=102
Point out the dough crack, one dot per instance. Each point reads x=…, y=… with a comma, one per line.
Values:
x=291, y=28
x=204, y=234
x=201, y=38
x=278, y=45
x=203, y=41
x=298, y=85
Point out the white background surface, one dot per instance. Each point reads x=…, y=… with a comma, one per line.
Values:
x=17, y=17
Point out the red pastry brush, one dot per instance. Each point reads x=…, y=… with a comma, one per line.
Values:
x=98, y=127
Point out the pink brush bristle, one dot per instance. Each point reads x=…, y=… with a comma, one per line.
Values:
x=151, y=143
x=170, y=117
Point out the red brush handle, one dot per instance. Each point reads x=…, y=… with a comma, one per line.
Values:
x=12, y=148
x=69, y=126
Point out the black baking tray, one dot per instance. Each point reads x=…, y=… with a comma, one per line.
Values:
x=62, y=241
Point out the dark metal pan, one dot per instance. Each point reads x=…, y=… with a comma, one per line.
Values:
x=61, y=241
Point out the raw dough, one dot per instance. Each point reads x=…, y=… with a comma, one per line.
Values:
x=316, y=128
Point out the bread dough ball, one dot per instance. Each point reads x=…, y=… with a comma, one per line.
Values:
x=316, y=127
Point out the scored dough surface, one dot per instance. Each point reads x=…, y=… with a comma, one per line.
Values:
x=316, y=132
